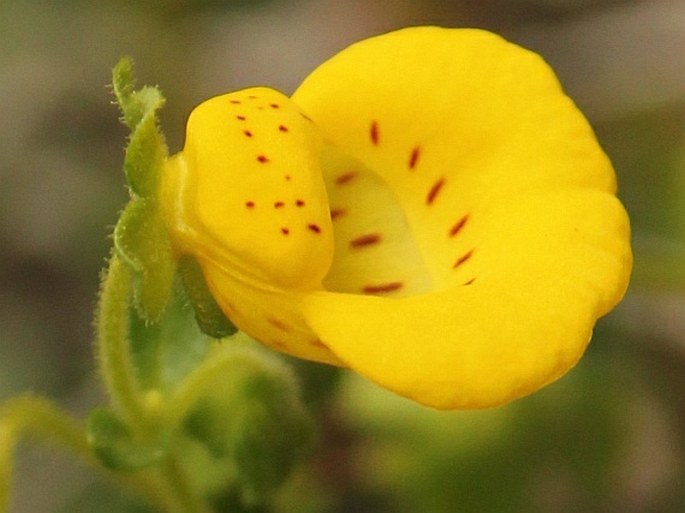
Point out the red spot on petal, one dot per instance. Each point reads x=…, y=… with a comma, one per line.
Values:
x=433, y=192
x=462, y=259
x=279, y=344
x=274, y=105
x=229, y=308
x=235, y=101
x=279, y=324
x=279, y=204
x=287, y=178
x=283, y=128
x=456, y=228
x=414, y=157
x=249, y=204
x=247, y=133
x=345, y=178
x=263, y=159
x=365, y=240
x=382, y=288
x=314, y=228
x=374, y=133
x=318, y=343
x=285, y=231
x=241, y=118
x=469, y=282
x=337, y=212
x=299, y=203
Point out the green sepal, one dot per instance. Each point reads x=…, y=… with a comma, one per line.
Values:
x=145, y=156
x=116, y=447
x=209, y=316
x=146, y=151
x=123, y=85
x=134, y=104
x=142, y=242
x=165, y=352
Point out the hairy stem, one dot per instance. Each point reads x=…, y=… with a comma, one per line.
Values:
x=29, y=415
x=113, y=344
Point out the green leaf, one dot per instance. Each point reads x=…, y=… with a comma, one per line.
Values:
x=142, y=242
x=210, y=318
x=115, y=445
x=249, y=413
x=272, y=434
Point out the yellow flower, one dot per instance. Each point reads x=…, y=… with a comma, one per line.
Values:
x=428, y=209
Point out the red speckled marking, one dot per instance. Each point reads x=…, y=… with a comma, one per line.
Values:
x=365, y=240
x=314, y=228
x=374, y=133
x=318, y=343
x=283, y=128
x=337, y=212
x=249, y=204
x=241, y=118
x=470, y=281
x=462, y=259
x=433, y=192
x=414, y=157
x=458, y=226
x=285, y=231
x=287, y=178
x=279, y=324
x=247, y=133
x=274, y=106
x=382, y=288
x=279, y=204
x=279, y=344
x=235, y=101
x=230, y=309
x=263, y=159
x=299, y=203
x=346, y=178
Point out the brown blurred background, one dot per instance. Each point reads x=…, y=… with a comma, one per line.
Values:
x=608, y=438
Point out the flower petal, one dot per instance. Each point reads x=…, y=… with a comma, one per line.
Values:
x=247, y=189
x=375, y=250
x=454, y=121
x=548, y=266
x=453, y=100
x=246, y=199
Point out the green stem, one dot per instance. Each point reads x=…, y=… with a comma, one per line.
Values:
x=181, y=493
x=38, y=417
x=166, y=485
x=113, y=344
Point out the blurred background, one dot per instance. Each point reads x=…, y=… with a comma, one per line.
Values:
x=609, y=437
